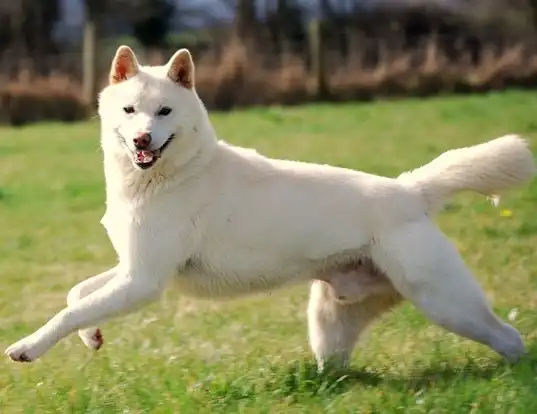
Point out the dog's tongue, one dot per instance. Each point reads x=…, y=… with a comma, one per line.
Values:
x=144, y=156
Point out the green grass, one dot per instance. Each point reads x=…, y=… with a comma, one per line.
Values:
x=251, y=355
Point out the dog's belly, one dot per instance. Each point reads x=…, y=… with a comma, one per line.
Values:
x=346, y=271
x=357, y=280
x=203, y=281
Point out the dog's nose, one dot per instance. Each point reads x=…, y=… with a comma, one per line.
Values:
x=142, y=141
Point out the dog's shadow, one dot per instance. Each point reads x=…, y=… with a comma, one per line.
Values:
x=300, y=377
x=421, y=378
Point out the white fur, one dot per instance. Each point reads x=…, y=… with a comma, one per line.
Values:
x=225, y=221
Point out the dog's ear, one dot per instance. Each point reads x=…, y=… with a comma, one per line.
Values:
x=124, y=66
x=181, y=68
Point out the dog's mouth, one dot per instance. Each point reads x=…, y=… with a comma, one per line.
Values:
x=146, y=158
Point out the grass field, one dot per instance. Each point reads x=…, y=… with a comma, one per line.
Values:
x=251, y=355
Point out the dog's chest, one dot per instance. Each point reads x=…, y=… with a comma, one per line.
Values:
x=117, y=226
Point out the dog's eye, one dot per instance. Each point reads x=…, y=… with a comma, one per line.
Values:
x=129, y=109
x=164, y=111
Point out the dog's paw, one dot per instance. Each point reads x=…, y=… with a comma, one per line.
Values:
x=92, y=338
x=26, y=350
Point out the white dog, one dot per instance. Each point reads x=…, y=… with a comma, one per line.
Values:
x=225, y=221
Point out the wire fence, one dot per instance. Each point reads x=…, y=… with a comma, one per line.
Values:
x=232, y=73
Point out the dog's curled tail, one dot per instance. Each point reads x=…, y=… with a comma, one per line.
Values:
x=488, y=169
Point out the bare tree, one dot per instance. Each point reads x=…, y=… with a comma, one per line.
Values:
x=27, y=26
x=245, y=17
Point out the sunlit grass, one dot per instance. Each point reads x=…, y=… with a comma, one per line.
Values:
x=251, y=355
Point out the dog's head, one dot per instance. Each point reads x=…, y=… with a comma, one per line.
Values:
x=144, y=110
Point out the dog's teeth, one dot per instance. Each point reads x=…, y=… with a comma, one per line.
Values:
x=144, y=156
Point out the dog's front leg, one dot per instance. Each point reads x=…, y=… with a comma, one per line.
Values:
x=92, y=337
x=122, y=294
x=150, y=256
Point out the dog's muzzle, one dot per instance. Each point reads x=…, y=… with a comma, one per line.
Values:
x=143, y=156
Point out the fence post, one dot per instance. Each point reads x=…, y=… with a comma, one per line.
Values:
x=89, y=69
x=318, y=66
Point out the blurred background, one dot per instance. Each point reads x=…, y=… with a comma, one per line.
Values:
x=55, y=54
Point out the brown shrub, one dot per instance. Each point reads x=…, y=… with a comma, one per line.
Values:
x=242, y=76
x=28, y=99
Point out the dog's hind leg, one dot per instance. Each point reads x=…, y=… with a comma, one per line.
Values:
x=426, y=268
x=92, y=337
x=335, y=326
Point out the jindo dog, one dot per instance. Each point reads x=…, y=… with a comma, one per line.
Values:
x=225, y=221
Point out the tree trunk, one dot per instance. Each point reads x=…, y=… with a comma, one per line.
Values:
x=318, y=66
x=245, y=18
x=89, y=63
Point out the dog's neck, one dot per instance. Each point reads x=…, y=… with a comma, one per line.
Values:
x=127, y=184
